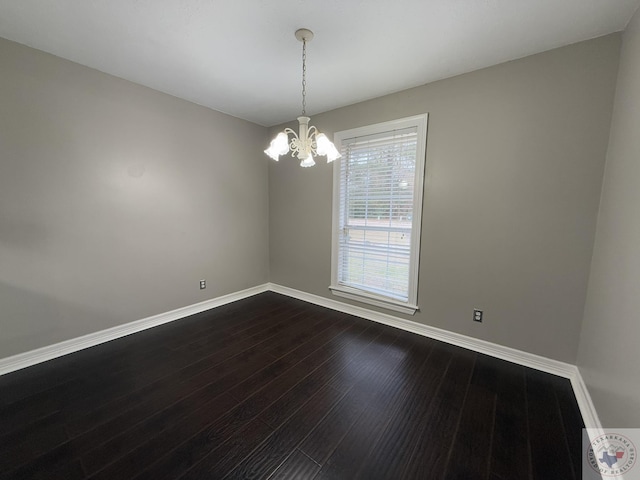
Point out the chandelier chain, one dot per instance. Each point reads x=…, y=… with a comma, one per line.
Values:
x=304, y=77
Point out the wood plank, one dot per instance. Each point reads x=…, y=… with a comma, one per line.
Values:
x=126, y=432
x=295, y=396
x=438, y=426
x=393, y=449
x=550, y=456
x=370, y=391
x=212, y=437
x=335, y=367
x=68, y=398
x=571, y=420
x=328, y=434
x=240, y=367
x=207, y=367
x=510, y=457
x=134, y=441
x=231, y=452
x=264, y=376
x=18, y=449
x=470, y=454
x=297, y=465
x=105, y=358
x=349, y=455
x=271, y=453
x=63, y=470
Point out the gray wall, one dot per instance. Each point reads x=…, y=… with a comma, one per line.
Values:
x=609, y=355
x=515, y=158
x=115, y=200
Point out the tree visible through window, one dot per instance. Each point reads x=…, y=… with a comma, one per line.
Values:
x=377, y=208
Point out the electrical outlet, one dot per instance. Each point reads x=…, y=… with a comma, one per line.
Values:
x=203, y=284
x=477, y=315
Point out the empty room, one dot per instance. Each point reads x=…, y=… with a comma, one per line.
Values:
x=319, y=240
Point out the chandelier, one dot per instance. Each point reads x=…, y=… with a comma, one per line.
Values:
x=308, y=142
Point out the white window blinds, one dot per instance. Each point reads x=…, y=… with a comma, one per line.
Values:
x=379, y=176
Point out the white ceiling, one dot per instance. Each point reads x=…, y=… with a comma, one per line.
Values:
x=241, y=57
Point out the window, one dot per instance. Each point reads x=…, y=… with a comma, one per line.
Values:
x=377, y=209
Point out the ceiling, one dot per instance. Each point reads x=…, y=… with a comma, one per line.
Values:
x=241, y=57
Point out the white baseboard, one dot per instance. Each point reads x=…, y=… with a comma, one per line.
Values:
x=27, y=359
x=519, y=357
x=588, y=410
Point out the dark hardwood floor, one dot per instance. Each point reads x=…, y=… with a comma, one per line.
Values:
x=272, y=387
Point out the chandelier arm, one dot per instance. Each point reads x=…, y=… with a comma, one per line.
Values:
x=294, y=143
x=312, y=132
x=311, y=139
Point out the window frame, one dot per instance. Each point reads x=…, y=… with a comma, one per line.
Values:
x=342, y=290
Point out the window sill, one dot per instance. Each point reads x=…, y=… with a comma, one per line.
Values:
x=360, y=296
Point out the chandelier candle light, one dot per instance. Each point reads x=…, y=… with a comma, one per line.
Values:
x=308, y=142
